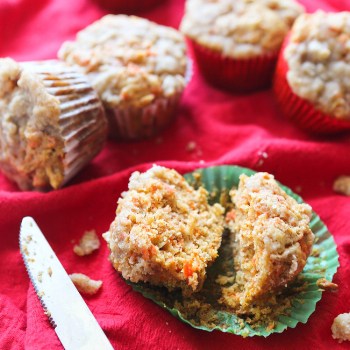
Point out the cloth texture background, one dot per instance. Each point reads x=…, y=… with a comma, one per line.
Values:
x=226, y=128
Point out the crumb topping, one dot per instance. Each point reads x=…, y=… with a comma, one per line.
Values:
x=165, y=232
x=129, y=60
x=318, y=56
x=239, y=28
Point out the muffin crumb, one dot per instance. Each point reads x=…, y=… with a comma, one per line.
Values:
x=87, y=244
x=342, y=185
x=85, y=284
x=326, y=285
x=341, y=327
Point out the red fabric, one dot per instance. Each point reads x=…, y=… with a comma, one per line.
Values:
x=227, y=129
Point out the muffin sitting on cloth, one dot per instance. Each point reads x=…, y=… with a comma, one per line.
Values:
x=272, y=240
x=165, y=232
x=52, y=123
x=138, y=69
x=312, y=82
x=236, y=42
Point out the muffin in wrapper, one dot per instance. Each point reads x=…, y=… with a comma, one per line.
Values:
x=53, y=123
x=139, y=69
x=310, y=83
x=236, y=43
x=294, y=305
x=128, y=5
x=300, y=111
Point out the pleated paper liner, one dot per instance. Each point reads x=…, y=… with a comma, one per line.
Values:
x=128, y=6
x=202, y=310
x=82, y=122
x=134, y=123
x=300, y=111
x=237, y=75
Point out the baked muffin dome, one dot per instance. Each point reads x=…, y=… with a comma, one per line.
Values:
x=165, y=232
x=239, y=28
x=52, y=123
x=272, y=239
x=134, y=64
x=318, y=57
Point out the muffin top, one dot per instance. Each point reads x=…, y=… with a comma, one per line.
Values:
x=239, y=28
x=318, y=56
x=165, y=232
x=129, y=60
x=273, y=238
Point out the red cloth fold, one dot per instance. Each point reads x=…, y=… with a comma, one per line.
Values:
x=226, y=128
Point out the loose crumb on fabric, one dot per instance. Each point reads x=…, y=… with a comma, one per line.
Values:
x=342, y=185
x=87, y=244
x=85, y=284
x=341, y=327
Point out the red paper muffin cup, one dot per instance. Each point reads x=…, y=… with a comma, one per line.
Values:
x=238, y=75
x=128, y=6
x=299, y=110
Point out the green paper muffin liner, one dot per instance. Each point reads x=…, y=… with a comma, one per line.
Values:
x=303, y=293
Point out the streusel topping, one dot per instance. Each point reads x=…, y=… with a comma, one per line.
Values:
x=129, y=60
x=240, y=28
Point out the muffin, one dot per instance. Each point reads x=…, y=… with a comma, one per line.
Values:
x=52, y=123
x=165, y=232
x=138, y=69
x=128, y=5
x=312, y=83
x=272, y=240
x=236, y=42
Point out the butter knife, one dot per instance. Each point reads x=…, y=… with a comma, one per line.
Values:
x=74, y=324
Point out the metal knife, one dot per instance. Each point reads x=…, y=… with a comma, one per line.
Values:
x=74, y=324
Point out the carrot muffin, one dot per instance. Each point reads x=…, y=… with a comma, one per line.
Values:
x=52, y=123
x=138, y=68
x=314, y=71
x=272, y=240
x=165, y=232
x=236, y=42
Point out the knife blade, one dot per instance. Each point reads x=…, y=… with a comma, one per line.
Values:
x=74, y=324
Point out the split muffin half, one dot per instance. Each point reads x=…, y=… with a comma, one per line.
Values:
x=165, y=232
